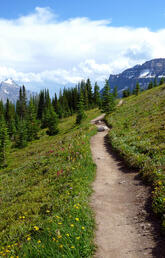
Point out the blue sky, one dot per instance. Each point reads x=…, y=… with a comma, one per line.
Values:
x=141, y=13
x=49, y=43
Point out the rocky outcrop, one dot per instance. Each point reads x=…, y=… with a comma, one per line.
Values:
x=142, y=73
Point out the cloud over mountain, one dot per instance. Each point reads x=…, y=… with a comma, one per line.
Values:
x=40, y=48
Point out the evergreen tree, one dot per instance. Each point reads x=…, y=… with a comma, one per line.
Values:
x=32, y=123
x=21, y=137
x=1, y=109
x=55, y=103
x=150, y=85
x=9, y=117
x=4, y=142
x=161, y=81
x=115, y=93
x=80, y=110
x=137, y=89
x=41, y=105
x=86, y=104
x=52, y=122
x=96, y=96
x=108, y=101
x=21, y=103
x=90, y=94
x=126, y=93
x=155, y=82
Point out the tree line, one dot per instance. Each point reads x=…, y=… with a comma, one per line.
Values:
x=20, y=123
x=137, y=89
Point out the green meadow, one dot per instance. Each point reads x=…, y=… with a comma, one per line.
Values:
x=44, y=195
x=138, y=135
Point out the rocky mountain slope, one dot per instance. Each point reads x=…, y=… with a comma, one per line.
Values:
x=10, y=89
x=142, y=73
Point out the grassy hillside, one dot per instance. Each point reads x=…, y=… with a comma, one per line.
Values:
x=138, y=135
x=44, y=209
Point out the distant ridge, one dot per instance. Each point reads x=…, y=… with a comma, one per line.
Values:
x=9, y=89
x=142, y=73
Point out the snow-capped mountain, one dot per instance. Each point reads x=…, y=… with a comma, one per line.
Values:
x=142, y=73
x=10, y=89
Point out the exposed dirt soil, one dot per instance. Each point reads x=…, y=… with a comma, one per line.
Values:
x=126, y=227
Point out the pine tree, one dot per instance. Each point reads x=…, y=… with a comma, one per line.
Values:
x=115, y=92
x=137, y=89
x=21, y=107
x=52, y=122
x=90, y=94
x=4, y=142
x=161, y=81
x=126, y=93
x=86, y=104
x=1, y=109
x=108, y=102
x=80, y=110
x=96, y=96
x=9, y=117
x=32, y=123
x=21, y=137
x=150, y=85
x=155, y=82
x=55, y=103
x=41, y=105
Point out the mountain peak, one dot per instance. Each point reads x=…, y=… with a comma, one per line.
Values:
x=9, y=81
x=144, y=73
x=9, y=89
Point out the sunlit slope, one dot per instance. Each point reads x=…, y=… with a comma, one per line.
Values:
x=138, y=134
x=44, y=195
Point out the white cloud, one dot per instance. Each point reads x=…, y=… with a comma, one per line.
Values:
x=38, y=48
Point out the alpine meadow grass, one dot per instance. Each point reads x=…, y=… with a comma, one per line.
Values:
x=44, y=195
x=138, y=135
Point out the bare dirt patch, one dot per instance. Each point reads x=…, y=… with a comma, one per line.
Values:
x=126, y=226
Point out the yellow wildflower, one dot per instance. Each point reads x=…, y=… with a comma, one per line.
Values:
x=29, y=238
x=39, y=241
x=53, y=239
x=67, y=235
x=47, y=211
x=83, y=228
x=72, y=225
x=36, y=228
x=72, y=247
x=61, y=246
x=59, y=223
x=77, y=219
x=78, y=238
x=59, y=236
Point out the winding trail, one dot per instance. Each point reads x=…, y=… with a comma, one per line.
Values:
x=120, y=201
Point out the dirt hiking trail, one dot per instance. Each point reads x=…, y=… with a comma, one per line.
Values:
x=125, y=227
